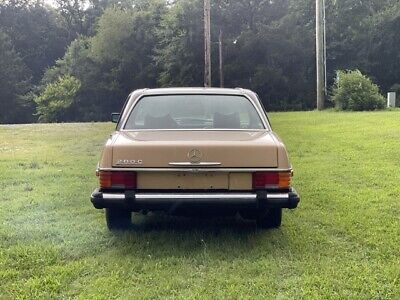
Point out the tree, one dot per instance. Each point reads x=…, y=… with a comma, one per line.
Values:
x=359, y=36
x=124, y=44
x=14, y=85
x=117, y=60
x=72, y=12
x=124, y=48
x=382, y=58
x=180, y=48
x=56, y=99
x=115, y=46
x=35, y=32
x=96, y=95
x=266, y=49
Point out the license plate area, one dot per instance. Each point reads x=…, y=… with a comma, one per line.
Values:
x=183, y=180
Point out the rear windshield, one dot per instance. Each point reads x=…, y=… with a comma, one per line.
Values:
x=194, y=112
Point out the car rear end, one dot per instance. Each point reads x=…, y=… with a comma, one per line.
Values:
x=186, y=164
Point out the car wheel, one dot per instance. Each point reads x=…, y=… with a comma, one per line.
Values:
x=117, y=218
x=271, y=218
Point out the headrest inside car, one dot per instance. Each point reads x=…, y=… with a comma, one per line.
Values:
x=230, y=121
x=164, y=122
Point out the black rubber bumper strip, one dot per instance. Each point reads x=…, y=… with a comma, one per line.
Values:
x=128, y=199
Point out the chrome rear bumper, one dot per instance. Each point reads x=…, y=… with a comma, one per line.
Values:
x=130, y=199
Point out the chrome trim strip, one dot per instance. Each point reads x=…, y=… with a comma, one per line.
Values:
x=278, y=196
x=158, y=196
x=189, y=164
x=113, y=196
x=195, y=170
x=217, y=197
x=197, y=196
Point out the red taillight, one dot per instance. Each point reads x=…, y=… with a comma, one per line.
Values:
x=271, y=180
x=117, y=179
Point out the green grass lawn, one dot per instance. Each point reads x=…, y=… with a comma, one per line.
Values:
x=342, y=242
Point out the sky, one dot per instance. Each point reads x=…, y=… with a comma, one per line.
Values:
x=51, y=2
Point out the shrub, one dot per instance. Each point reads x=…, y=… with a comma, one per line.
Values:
x=57, y=98
x=354, y=91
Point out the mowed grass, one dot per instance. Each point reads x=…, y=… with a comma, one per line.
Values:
x=343, y=242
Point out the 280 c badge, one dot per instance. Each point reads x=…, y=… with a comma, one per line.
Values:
x=129, y=162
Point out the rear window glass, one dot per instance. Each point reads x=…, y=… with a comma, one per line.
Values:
x=194, y=112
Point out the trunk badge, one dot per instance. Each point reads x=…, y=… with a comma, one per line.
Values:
x=125, y=162
x=195, y=156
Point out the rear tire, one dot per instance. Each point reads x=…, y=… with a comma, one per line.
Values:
x=118, y=219
x=270, y=218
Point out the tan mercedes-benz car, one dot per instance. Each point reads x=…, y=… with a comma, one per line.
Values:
x=194, y=151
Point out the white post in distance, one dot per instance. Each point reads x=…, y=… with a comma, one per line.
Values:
x=391, y=99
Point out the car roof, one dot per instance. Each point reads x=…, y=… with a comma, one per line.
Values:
x=195, y=90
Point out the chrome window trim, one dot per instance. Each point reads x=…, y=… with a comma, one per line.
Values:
x=195, y=170
x=262, y=116
x=197, y=129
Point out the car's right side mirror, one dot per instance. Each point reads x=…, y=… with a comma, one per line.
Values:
x=115, y=117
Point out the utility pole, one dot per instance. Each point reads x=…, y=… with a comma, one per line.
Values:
x=207, y=43
x=221, y=61
x=325, y=74
x=320, y=55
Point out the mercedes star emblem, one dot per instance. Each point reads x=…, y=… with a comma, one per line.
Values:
x=195, y=156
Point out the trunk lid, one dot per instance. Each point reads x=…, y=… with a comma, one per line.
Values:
x=169, y=149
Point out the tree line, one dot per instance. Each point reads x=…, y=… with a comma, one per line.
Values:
x=78, y=60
